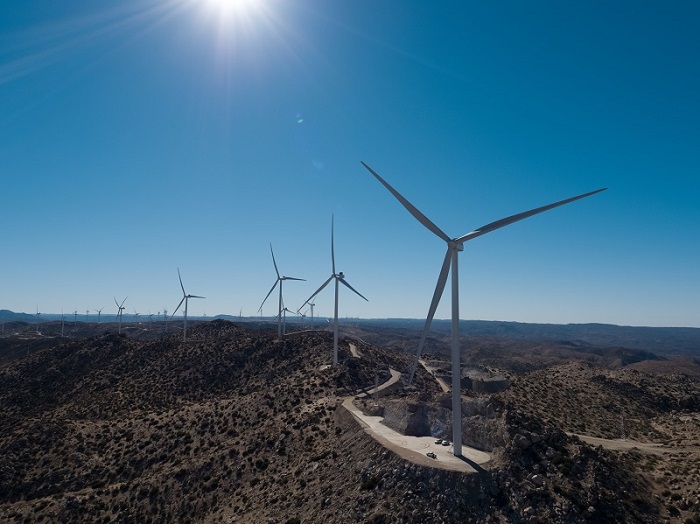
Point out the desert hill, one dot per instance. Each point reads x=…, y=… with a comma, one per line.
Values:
x=236, y=426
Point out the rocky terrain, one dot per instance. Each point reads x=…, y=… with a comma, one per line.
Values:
x=236, y=426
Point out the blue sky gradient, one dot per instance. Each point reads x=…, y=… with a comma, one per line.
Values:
x=138, y=137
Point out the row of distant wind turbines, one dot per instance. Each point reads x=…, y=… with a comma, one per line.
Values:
x=449, y=266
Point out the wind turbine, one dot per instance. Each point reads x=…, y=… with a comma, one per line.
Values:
x=311, y=307
x=63, y=321
x=136, y=317
x=87, y=315
x=280, y=280
x=119, y=312
x=454, y=246
x=185, y=299
x=37, y=319
x=339, y=278
x=285, y=310
x=99, y=314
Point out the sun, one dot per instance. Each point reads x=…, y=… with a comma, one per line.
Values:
x=233, y=7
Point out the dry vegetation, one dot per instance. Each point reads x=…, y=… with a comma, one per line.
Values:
x=235, y=426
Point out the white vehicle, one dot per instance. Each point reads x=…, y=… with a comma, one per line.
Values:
x=438, y=441
x=445, y=442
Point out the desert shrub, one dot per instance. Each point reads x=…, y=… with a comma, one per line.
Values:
x=370, y=483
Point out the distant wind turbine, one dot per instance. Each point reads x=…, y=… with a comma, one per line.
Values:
x=339, y=278
x=454, y=246
x=280, y=280
x=119, y=312
x=185, y=299
x=99, y=314
x=37, y=320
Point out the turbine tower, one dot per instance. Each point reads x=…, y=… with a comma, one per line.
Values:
x=454, y=246
x=311, y=307
x=185, y=299
x=119, y=312
x=339, y=278
x=280, y=280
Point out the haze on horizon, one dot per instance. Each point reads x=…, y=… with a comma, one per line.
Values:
x=139, y=137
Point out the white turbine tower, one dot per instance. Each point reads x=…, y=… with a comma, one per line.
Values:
x=339, y=278
x=185, y=299
x=99, y=314
x=454, y=246
x=119, y=312
x=280, y=280
x=311, y=307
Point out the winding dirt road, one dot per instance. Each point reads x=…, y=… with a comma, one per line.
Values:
x=413, y=449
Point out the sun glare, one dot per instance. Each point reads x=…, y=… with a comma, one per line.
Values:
x=232, y=7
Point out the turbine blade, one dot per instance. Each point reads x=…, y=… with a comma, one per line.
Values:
x=194, y=296
x=269, y=293
x=317, y=291
x=293, y=278
x=342, y=281
x=115, y=301
x=410, y=207
x=273, y=261
x=178, y=307
x=520, y=216
x=437, y=295
x=180, y=277
x=123, y=302
x=332, y=246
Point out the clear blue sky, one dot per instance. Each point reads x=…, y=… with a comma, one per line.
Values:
x=139, y=136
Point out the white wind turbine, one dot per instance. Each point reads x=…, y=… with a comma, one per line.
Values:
x=285, y=310
x=339, y=278
x=185, y=299
x=99, y=314
x=119, y=312
x=454, y=246
x=311, y=307
x=280, y=280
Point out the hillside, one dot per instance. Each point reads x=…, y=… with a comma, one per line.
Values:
x=235, y=426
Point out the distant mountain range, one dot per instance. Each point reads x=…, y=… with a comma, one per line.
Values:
x=660, y=340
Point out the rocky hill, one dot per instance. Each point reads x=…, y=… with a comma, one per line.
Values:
x=236, y=426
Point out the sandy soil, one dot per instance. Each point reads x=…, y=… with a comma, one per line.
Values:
x=430, y=369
